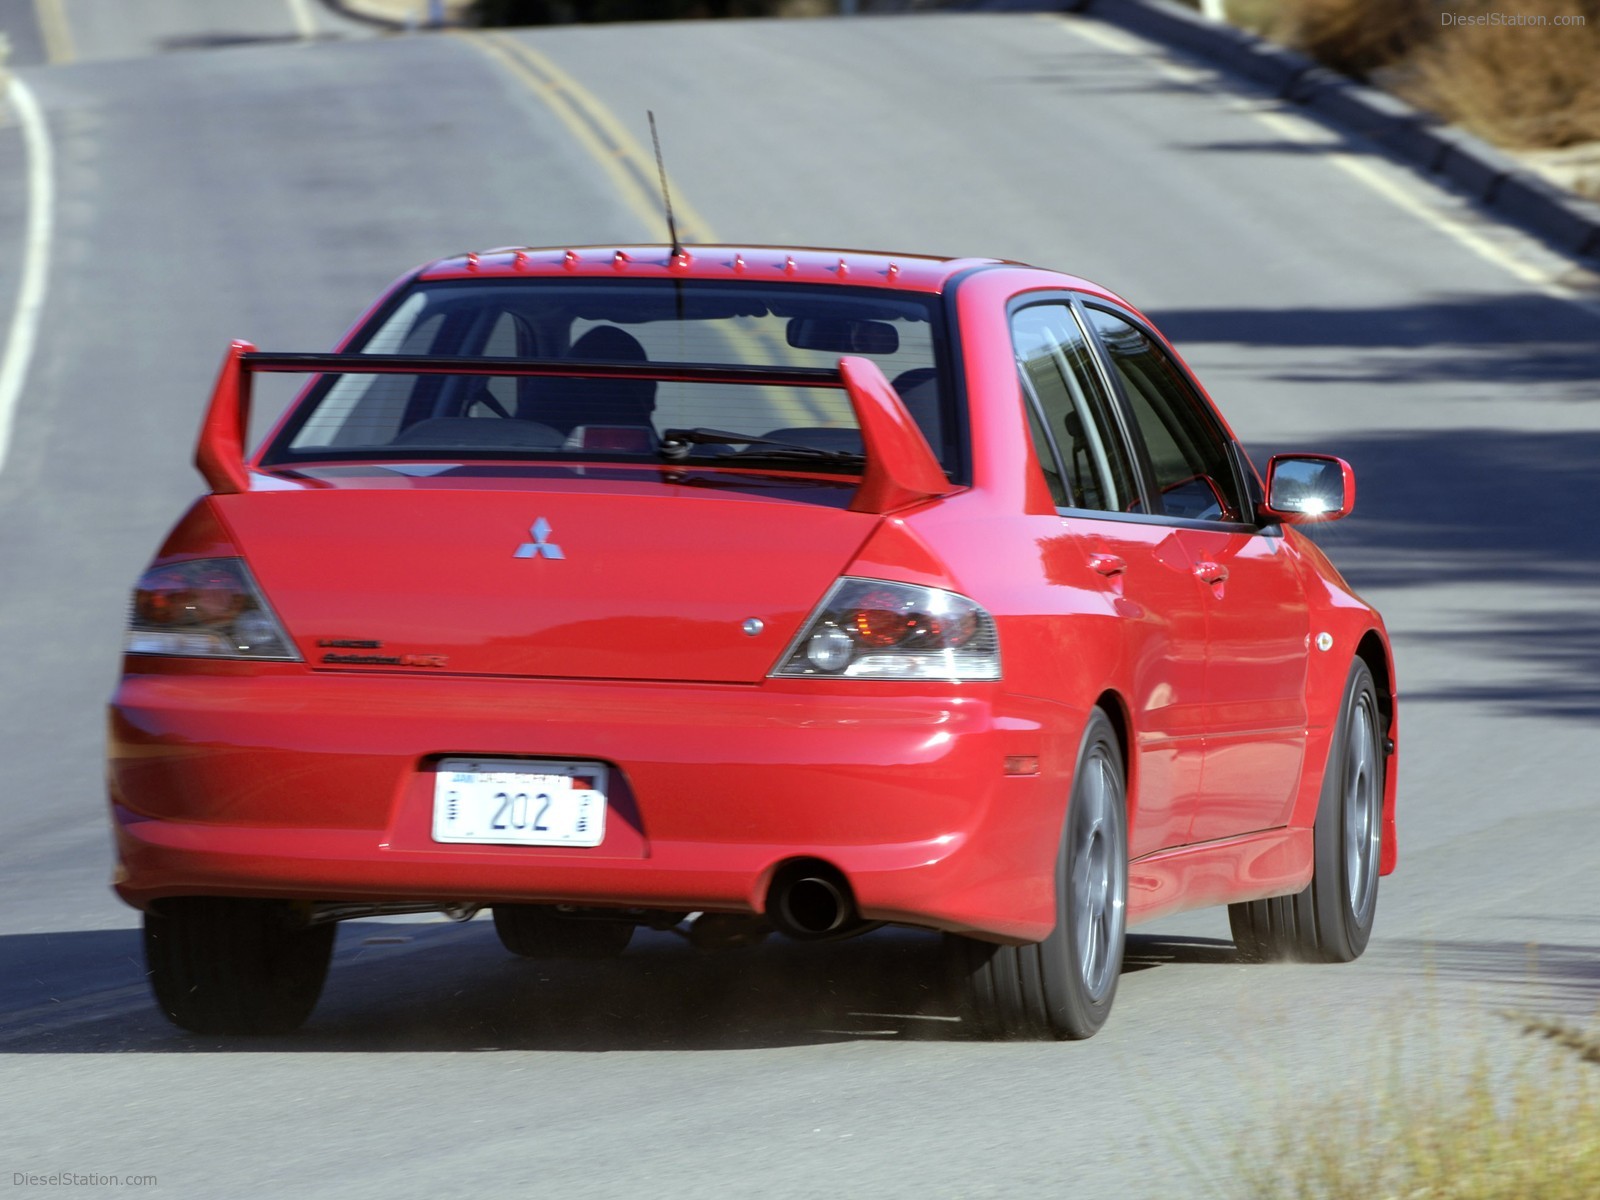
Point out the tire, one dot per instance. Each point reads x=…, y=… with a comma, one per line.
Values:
x=1063, y=987
x=229, y=966
x=1331, y=920
x=543, y=931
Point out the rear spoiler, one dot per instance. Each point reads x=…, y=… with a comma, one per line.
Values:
x=900, y=467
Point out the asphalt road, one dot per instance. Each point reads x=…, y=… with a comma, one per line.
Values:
x=1330, y=301
x=61, y=32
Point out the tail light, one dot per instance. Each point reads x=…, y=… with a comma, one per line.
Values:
x=873, y=629
x=205, y=608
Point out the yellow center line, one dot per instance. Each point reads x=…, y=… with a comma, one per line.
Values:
x=56, y=32
x=632, y=172
x=625, y=161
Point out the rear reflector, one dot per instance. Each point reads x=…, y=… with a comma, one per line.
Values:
x=876, y=629
x=204, y=608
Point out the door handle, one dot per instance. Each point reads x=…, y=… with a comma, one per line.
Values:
x=1211, y=572
x=1107, y=564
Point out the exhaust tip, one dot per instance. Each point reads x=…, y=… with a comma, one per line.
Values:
x=810, y=900
x=814, y=905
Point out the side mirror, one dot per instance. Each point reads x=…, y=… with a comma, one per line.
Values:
x=1308, y=487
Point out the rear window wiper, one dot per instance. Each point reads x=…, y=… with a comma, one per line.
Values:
x=676, y=443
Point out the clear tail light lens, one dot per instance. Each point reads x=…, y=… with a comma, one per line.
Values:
x=873, y=629
x=204, y=608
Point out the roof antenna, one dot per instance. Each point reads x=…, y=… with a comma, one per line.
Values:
x=666, y=193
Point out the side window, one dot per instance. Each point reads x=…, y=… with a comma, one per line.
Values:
x=1188, y=449
x=1076, y=442
x=1045, y=453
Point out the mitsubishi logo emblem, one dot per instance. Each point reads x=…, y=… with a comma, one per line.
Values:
x=541, y=546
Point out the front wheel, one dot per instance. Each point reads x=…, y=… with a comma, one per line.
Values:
x=1331, y=920
x=232, y=966
x=1063, y=986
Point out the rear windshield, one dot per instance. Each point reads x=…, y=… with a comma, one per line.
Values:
x=458, y=417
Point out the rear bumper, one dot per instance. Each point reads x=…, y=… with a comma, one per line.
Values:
x=320, y=787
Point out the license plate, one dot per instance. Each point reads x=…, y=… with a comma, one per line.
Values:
x=515, y=802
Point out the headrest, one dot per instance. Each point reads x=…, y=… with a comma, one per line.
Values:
x=607, y=343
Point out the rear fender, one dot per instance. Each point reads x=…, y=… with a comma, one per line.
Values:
x=896, y=551
x=199, y=533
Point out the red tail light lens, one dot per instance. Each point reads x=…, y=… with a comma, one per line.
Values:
x=200, y=593
x=872, y=629
x=955, y=629
x=882, y=619
x=206, y=608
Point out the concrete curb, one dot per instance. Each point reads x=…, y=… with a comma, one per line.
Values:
x=398, y=16
x=353, y=10
x=1565, y=221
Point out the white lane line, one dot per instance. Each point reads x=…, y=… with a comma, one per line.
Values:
x=304, y=23
x=1308, y=133
x=18, y=351
x=1295, y=130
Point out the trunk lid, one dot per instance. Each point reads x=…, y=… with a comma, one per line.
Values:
x=377, y=570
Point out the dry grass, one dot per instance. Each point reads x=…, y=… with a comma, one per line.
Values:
x=1353, y=36
x=1258, y=16
x=1521, y=86
x=1531, y=1135
x=1582, y=1044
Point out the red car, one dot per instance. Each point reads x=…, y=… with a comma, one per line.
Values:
x=760, y=588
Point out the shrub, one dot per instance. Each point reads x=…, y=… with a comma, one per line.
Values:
x=1355, y=36
x=1519, y=85
x=1530, y=1134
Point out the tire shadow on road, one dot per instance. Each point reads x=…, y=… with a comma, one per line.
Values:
x=1545, y=976
x=1147, y=951
x=446, y=987
x=439, y=986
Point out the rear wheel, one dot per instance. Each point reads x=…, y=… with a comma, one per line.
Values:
x=1063, y=986
x=1331, y=920
x=223, y=965
x=544, y=931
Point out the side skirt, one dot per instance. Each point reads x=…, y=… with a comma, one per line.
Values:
x=1274, y=862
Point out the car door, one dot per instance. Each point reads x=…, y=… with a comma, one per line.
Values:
x=1257, y=620
x=1143, y=567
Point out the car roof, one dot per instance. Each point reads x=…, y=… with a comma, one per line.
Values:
x=797, y=264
